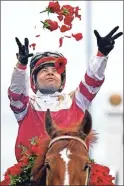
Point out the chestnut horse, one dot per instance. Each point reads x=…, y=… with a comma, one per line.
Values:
x=65, y=160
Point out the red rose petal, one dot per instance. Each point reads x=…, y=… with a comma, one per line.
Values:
x=61, y=41
x=33, y=45
x=65, y=28
x=60, y=17
x=77, y=36
x=79, y=16
x=37, y=36
x=68, y=36
x=76, y=12
x=68, y=20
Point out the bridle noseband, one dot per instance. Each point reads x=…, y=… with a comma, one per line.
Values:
x=67, y=137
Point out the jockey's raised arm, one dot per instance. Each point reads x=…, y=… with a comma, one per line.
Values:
x=19, y=88
x=94, y=76
x=92, y=81
x=18, y=91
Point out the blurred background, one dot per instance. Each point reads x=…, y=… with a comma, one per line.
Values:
x=22, y=19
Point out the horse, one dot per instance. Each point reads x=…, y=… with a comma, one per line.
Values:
x=65, y=160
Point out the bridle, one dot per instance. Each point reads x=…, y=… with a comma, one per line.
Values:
x=83, y=143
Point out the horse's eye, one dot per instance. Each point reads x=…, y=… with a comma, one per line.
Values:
x=86, y=167
x=48, y=166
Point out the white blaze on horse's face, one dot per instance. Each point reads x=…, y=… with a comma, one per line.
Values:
x=64, y=155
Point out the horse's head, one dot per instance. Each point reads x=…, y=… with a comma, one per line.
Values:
x=67, y=160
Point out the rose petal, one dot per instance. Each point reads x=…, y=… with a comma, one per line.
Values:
x=76, y=12
x=33, y=45
x=65, y=28
x=68, y=20
x=37, y=36
x=68, y=36
x=77, y=36
x=60, y=17
x=61, y=41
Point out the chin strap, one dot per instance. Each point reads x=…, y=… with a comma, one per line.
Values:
x=49, y=90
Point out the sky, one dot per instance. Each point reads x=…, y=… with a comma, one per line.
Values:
x=22, y=19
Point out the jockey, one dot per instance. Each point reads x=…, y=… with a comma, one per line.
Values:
x=47, y=84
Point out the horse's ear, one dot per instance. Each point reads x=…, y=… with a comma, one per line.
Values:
x=49, y=124
x=86, y=125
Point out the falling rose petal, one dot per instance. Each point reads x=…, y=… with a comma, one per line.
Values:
x=65, y=28
x=37, y=36
x=60, y=17
x=35, y=27
x=79, y=16
x=68, y=20
x=61, y=41
x=76, y=12
x=77, y=36
x=68, y=36
x=33, y=45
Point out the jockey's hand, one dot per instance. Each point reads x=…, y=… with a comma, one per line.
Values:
x=23, y=53
x=106, y=44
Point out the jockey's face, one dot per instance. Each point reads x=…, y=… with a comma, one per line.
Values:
x=48, y=78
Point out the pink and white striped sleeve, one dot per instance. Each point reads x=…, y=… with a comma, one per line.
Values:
x=18, y=92
x=93, y=79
